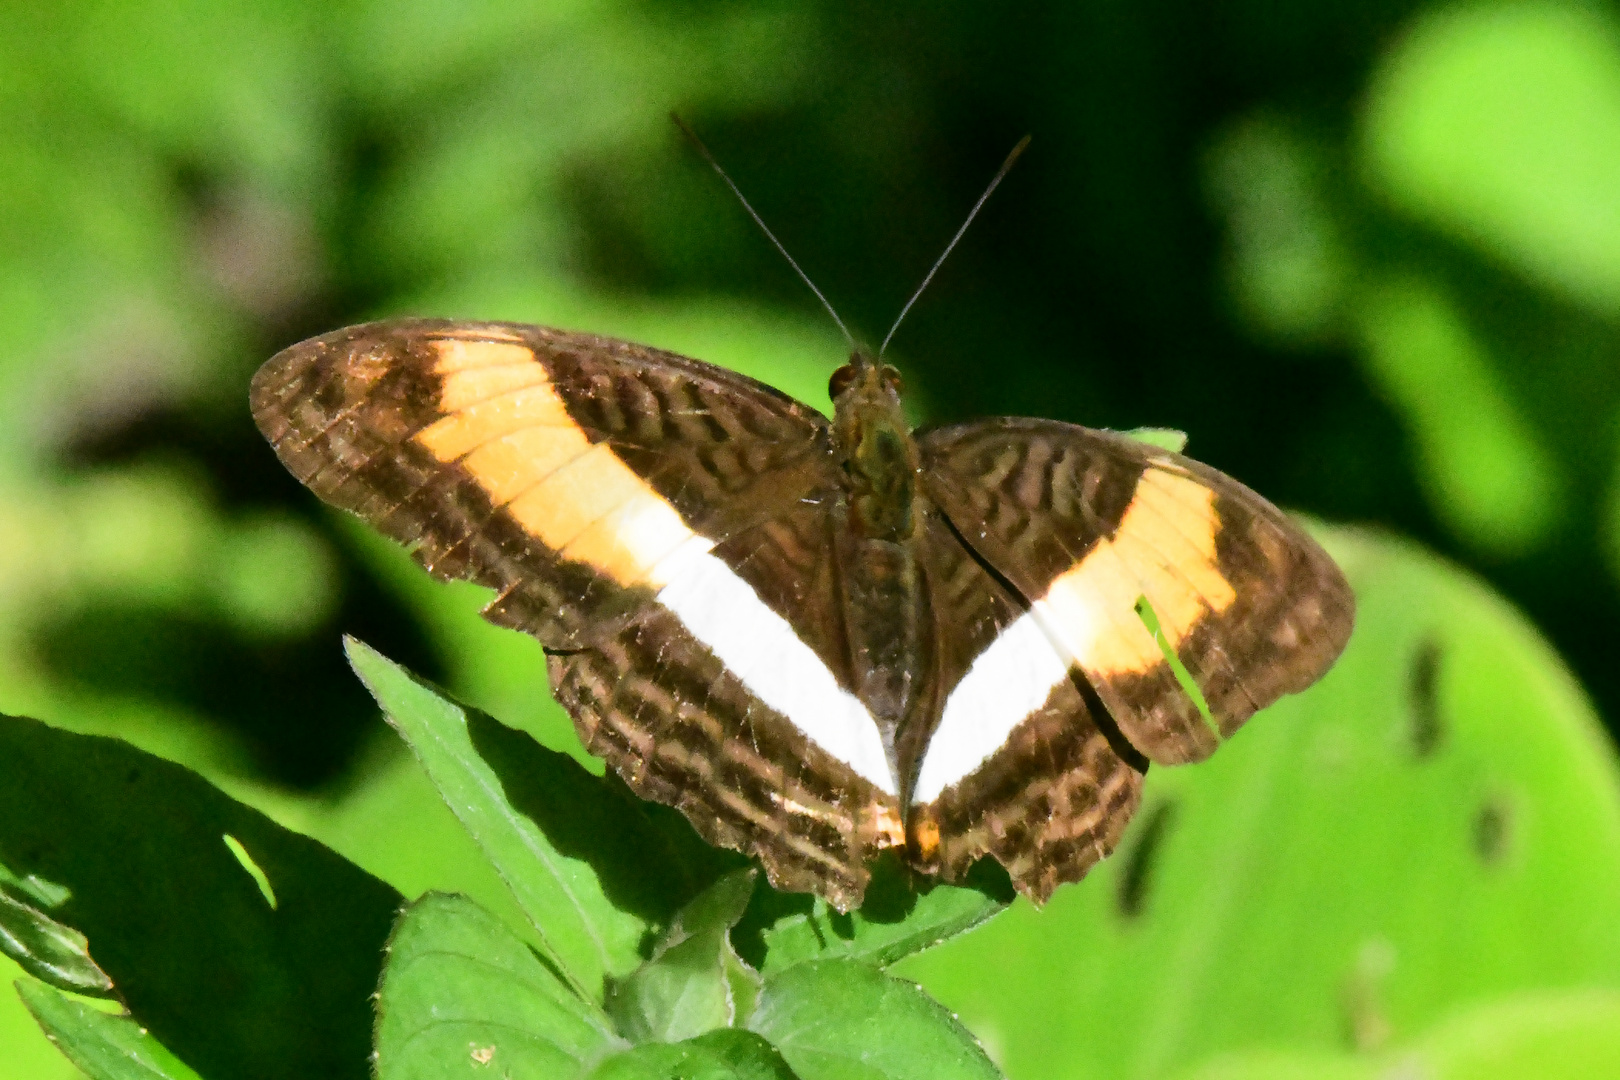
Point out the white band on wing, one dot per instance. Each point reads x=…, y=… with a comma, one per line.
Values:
x=759, y=647
x=1005, y=684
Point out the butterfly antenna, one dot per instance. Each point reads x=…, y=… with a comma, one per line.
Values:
x=1006, y=167
x=766, y=229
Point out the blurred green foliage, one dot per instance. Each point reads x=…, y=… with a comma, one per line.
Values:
x=1365, y=252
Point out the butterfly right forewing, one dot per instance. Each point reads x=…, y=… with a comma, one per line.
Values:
x=1093, y=529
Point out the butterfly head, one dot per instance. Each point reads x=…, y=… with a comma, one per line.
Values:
x=869, y=380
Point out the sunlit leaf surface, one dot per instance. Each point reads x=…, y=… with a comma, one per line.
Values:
x=461, y=993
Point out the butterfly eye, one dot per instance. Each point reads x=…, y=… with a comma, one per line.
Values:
x=840, y=381
x=892, y=379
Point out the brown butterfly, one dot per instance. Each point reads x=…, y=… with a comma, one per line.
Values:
x=823, y=639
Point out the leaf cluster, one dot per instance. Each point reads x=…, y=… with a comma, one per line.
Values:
x=242, y=949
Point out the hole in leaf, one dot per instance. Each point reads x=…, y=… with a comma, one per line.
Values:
x=252, y=868
x=1150, y=619
x=1428, y=732
x=1493, y=830
x=1136, y=873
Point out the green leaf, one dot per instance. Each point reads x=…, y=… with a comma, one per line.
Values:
x=844, y=1020
x=744, y=983
x=47, y=950
x=1283, y=1065
x=106, y=1046
x=1499, y=125
x=1491, y=474
x=1437, y=822
x=461, y=992
x=693, y=981
x=595, y=869
x=719, y=1055
x=1164, y=438
x=718, y=907
x=233, y=986
x=903, y=914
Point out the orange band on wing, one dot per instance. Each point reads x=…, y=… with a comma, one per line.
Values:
x=1164, y=549
x=507, y=427
x=466, y=388
x=460, y=354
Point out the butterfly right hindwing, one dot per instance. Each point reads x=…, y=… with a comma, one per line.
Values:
x=1020, y=766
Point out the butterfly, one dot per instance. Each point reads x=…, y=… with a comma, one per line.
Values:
x=821, y=640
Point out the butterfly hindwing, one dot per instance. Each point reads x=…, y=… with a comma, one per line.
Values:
x=684, y=728
x=1100, y=534
x=1019, y=766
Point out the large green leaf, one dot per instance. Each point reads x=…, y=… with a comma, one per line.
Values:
x=461, y=991
x=105, y=1046
x=1574, y=1035
x=595, y=869
x=136, y=847
x=1438, y=822
x=844, y=1020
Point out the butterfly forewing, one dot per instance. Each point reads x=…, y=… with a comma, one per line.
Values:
x=498, y=452
x=1104, y=537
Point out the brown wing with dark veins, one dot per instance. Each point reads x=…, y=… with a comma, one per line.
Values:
x=1087, y=524
x=566, y=471
x=696, y=738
